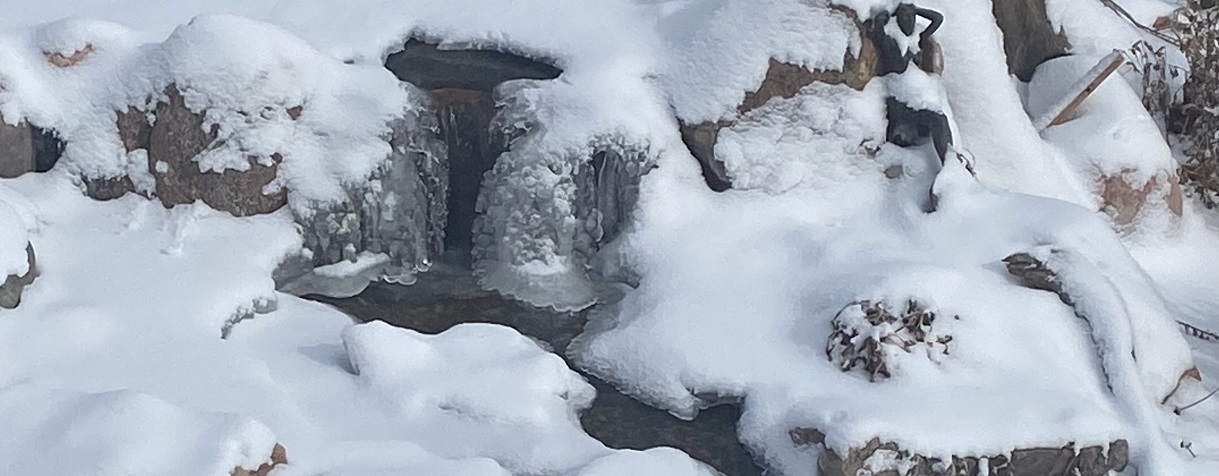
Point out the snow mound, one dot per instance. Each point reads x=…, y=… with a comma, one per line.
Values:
x=122, y=433
x=656, y=461
x=458, y=382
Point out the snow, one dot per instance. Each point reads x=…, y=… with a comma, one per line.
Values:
x=122, y=433
x=13, y=241
x=731, y=294
x=1111, y=129
x=117, y=336
x=478, y=390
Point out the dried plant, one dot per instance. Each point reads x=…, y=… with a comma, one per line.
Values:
x=867, y=335
x=1198, y=38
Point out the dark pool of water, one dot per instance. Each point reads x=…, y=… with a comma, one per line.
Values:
x=443, y=299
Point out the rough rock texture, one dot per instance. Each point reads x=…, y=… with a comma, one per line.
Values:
x=427, y=66
x=16, y=149
x=174, y=141
x=12, y=287
x=877, y=458
x=1028, y=37
x=278, y=456
x=782, y=80
x=1123, y=202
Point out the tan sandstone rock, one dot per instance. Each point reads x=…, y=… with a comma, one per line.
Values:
x=278, y=456
x=69, y=60
x=1123, y=201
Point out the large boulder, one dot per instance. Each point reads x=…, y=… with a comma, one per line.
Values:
x=783, y=80
x=1028, y=37
x=16, y=149
x=175, y=140
x=172, y=143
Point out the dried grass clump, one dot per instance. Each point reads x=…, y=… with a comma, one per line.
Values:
x=868, y=336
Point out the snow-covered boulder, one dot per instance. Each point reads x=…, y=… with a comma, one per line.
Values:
x=16, y=149
x=784, y=79
x=1121, y=154
x=459, y=381
x=173, y=142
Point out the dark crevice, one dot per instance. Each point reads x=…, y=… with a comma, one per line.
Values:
x=427, y=66
x=48, y=148
x=465, y=119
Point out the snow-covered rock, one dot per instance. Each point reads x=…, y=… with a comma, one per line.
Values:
x=1116, y=143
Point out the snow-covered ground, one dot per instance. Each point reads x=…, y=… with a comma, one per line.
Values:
x=114, y=362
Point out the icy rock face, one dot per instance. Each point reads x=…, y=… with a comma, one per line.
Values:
x=544, y=211
x=400, y=212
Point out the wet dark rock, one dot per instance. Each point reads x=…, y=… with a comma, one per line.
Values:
x=427, y=66
x=48, y=148
x=888, y=458
x=13, y=286
x=16, y=149
x=1028, y=37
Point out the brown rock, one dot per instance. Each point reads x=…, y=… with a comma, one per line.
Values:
x=12, y=287
x=278, y=456
x=1088, y=461
x=135, y=132
x=16, y=149
x=701, y=139
x=176, y=139
x=65, y=61
x=1122, y=201
x=1028, y=37
x=134, y=129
